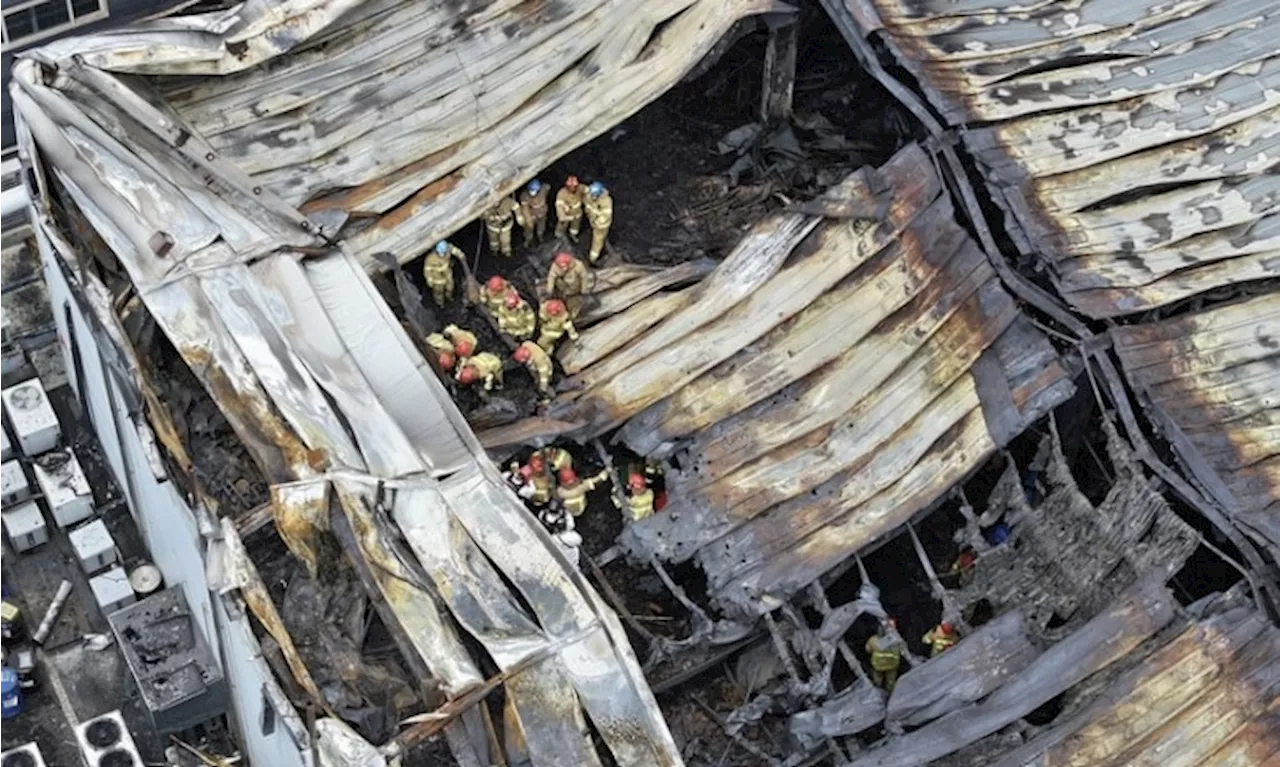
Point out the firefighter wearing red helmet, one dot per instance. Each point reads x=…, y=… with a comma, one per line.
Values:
x=538, y=363
x=492, y=293
x=443, y=352
x=555, y=322
x=940, y=638
x=516, y=318
x=572, y=490
x=568, y=280
x=639, y=497
x=484, y=368
x=464, y=341
x=569, y=209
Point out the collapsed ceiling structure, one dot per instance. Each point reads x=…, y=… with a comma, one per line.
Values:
x=849, y=365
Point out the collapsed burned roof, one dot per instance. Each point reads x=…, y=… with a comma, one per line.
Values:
x=835, y=379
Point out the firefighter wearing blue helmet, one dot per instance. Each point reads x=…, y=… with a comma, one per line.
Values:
x=437, y=269
x=532, y=215
x=599, y=209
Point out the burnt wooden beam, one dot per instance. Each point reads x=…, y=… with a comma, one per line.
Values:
x=779, y=68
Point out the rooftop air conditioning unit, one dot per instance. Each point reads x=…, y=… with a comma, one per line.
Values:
x=66, y=489
x=106, y=742
x=32, y=418
x=23, y=756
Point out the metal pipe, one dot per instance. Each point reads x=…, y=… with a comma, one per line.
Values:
x=13, y=200
x=51, y=615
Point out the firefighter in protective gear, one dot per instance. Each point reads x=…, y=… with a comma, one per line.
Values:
x=886, y=648
x=538, y=479
x=464, y=341
x=639, y=497
x=538, y=362
x=532, y=215
x=492, y=293
x=555, y=322
x=569, y=209
x=961, y=570
x=484, y=367
x=437, y=269
x=557, y=458
x=499, y=221
x=516, y=317
x=568, y=280
x=599, y=208
x=940, y=638
x=572, y=491
x=442, y=349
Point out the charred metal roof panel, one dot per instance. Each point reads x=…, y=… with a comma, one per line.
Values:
x=1215, y=377
x=191, y=143
x=828, y=381
x=1210, y=696
x=1132, y=144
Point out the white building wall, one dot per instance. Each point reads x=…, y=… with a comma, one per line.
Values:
x=169, y=528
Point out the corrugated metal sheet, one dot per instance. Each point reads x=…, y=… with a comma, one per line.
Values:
x=193, y=176
x=1133, y=144
x=829, y=380
x=1214, y=378
x=1211, y=696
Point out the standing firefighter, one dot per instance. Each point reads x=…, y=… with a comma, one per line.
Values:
x=941, y=638
x=499, y=221
x=599, y=207
x=568, y=280
x=572, y=491
x=569, y=209
x=437, y=269
x=532, y=215
x=555, y=322
x=538, y=362
x=484, y=367
x=493, y=292
x=639, y=497
x=886, y=648
x=516, y=317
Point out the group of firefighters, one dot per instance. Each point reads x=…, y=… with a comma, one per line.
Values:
x=548, y=483
x=534, y=334
x=573, y=201
x=886, y=648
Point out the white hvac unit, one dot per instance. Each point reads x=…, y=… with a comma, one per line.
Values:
x=34, y=423
x=13, y=481
x=23, y=756
x=24, y=524
x=94, y=546
x=65, y=489
x=112, y=590
x=106, y=742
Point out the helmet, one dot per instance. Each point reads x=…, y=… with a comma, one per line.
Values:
x=536, y=462
x=511, y=300
x=554, y=307
x=446, y=360
x=596, y=189
x=571, y=182
x=526, y=471
x=636, y=482
x=442, y=247
x=564, y=260
x=463, y=347
x=891, y=623
x=567, y=476
x=946, y=627
x=535, y=186
x=467, y=374
x=521, y=354
x=496, y=284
